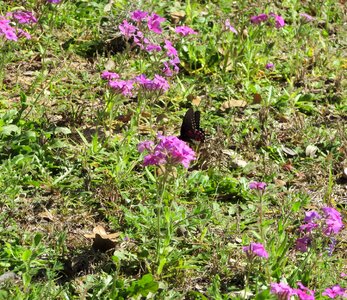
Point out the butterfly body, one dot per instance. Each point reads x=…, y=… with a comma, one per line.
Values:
x=190, y=129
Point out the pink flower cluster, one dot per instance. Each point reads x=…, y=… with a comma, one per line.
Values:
x=279, y=21
x=137, y=30
x=127, y=87
x=284, y=292
x=170, y=150
x=256, y=185
x=19, y=17
x=330, y=224
x=255, y=249
x=335, y=291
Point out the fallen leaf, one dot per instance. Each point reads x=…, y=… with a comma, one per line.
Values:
x=288, y=151
x=194, y=99
x=46, y=215
x=177, y=16
x=311, y=150
x=232, y=103
x=288, y=167
x=110, y=64
x=102, y=240
x=257, y=98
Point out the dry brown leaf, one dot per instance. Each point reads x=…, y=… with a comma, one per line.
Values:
x=194, y=99
x=177, y=16
x=103, y=241
x=257, y=98
x=232, y=103
x=46, y=215
x=110, y=65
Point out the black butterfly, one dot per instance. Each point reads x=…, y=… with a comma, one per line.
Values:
x=190, y=129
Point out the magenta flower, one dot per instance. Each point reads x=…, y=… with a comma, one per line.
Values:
x=170, y=150
x=229, y=27
x=153, y=48
x=333, y=221
x=138, y=15
x=308, y=227
x=54, y=1
x=335, y=291
x=24, y=17
x=171, y=51
x=304, y=293
x=279, y=21
x=311, y=216
x=184, y=30
x=154, y=22
x=259, y=19
x=124, y=87
x=7, y=30
x=127, y=29
x=282, y=290
x=269, y=66
x=109, y=75
x=255, y=185
x=23, y=33
x=146, y=145
x=159, y=83
x=306, y=17
x=255, y=249
x=302, y=244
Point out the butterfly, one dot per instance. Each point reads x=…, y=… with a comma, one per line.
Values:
x=190, y=129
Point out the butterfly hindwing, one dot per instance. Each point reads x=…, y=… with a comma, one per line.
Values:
x=190, y=129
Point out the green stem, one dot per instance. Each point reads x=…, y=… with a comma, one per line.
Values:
x=261, y=217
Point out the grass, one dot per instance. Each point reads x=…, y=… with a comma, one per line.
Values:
x=69, y=163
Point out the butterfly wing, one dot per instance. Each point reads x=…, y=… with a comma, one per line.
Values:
x=187, y=127
x=190, y=129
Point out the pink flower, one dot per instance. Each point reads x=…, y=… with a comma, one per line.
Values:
x=109, y=75
x=154, y=22
x=308, y=227
x=127, y=29
x=184, y=30
x=269, y=66
x=304, y=293
x=151, y=47
x=23, y=33
x=279, y=21
x=169, y=150
x=124, y=87
x=24, y=17
x=229, y=27
x=7, y=30
x=282, y=290
x=311, y=216
x=171, y=51
x=259, y=19
x=54, y=1
x=159, y=83
x=255, y=249
x=255, y=185
x=302, y=244
x=333, y=221
x=146, y=145
x=138, y=15
x=307, y=17
x=335, y=291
